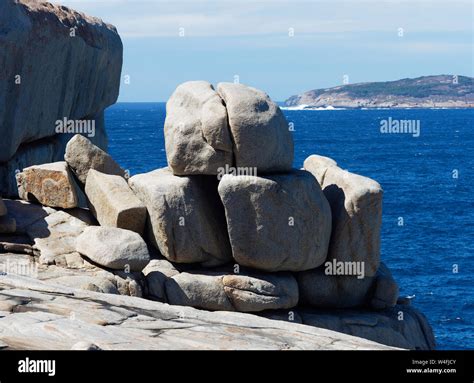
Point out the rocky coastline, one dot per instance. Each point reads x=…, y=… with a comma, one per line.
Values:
x=182, y=257
x=427, y=92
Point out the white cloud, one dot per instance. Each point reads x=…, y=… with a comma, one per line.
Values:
x=161, y=18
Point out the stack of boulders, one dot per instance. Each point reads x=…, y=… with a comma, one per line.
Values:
x=235, y=227
x=261, y=232
x=228, y=225
x=72, y=248
x=91, y=173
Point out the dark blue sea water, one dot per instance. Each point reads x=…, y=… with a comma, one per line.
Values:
x=416, y=174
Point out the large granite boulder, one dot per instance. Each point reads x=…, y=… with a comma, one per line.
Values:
x=82, y=155
x=186, y=219
x=356, y=206
x=214, y=290
x=386, y=291
x=320, y=288
x=49, y=184
x=401, y=326
x=259, y=130
x=277, y=223
x=208, y=132
x=43, y=151
x=56, y=63
x=197, y=135
x=113, y=248
x=113, y=203
x=157, y=272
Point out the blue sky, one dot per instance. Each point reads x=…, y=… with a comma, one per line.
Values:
x=373, y=40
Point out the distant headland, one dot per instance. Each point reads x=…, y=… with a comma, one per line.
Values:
x=440, y=91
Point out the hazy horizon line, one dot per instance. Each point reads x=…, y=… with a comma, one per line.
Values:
x=334, y=86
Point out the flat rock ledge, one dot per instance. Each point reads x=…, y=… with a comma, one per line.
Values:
x=35, y=315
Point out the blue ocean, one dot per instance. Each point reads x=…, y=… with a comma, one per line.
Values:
x=428, y=211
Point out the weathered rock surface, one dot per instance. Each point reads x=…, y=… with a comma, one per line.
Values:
x=256, y=291
x=113, y=203
x=56, y=63
x=55, y=234
x=333, y=291
x=157, y=272
x=43, y=151
x=100, y=281
x=386, y=289
x=401, y=326
x=277, y=223
x=75, y=272
x=26, y=213
x=50, y=236
x=289, y=315
x=85, y=346
x=3, y=208
x=317, y=166
x=356, y=206
x=255, y=119
x=319, y=289
x=113, y=248
x=7, y=225
x=33, y=312
x=197, y=135
x=204, y=291
x=106, y=326
x=214, y=290
x=186, y=219
x=49, y=184
x=82, y=155
x=16, y=246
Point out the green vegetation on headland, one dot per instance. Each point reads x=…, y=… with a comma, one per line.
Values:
x=444, y=91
